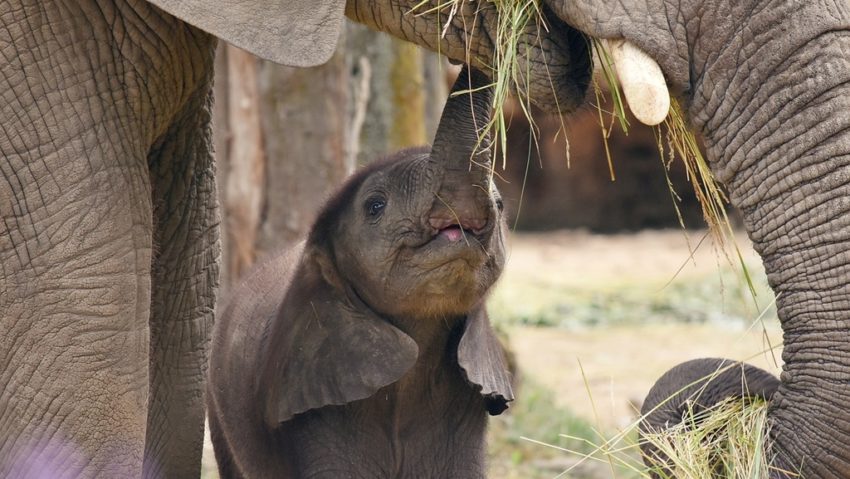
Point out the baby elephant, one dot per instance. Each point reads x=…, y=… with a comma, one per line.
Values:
x=366, y=351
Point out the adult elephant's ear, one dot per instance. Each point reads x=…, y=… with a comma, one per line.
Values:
x=323, y=351
x=299, y=33
x=483, y=362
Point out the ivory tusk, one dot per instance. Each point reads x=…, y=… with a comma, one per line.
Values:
x=641, y=80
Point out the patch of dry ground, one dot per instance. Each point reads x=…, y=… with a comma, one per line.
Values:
x=579, y=257
x=621, y=361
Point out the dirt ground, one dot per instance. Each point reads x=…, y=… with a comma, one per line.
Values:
x=580, y=257
x=620, y=358
x=621, y=361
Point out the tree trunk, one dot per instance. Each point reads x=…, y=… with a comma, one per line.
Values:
x=306, y=123
x=407, y=125
x=244, y=160
x=435, y=72
x=407, y=91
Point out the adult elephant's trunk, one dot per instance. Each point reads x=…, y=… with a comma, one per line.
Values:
x=777, y=126
x=785, y=157
x=768, y=85
x=552, y=59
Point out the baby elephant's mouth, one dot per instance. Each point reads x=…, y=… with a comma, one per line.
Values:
x=453, y=233
x=454, y=229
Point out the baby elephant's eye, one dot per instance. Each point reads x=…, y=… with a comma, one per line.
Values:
x=500, y=205
x=374, y=206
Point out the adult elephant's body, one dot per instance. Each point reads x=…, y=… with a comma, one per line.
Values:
x=105, y=142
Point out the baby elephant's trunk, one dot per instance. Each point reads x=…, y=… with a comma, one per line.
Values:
x=462, y=141
x=462, y=148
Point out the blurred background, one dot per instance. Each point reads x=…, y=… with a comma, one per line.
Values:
x=604, y=290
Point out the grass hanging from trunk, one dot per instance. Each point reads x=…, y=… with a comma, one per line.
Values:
x=513, y=18
x=681, y=145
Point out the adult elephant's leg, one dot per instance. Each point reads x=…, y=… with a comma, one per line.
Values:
x=75, y=249
x=185, y=275
x=75, y=254
x=86, y=88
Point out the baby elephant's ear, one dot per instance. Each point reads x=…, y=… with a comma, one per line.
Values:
x=482, y=359
x=323, y=351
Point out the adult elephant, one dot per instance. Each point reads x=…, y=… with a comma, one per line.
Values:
x=767, y=84
x=109, y=233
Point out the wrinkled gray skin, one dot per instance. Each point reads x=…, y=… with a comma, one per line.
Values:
x=366, y=351
x=766, y=84
x=689, y=389
x=109, y=236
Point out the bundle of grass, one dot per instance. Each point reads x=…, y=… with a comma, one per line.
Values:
x=728, y=440
x=703, y=419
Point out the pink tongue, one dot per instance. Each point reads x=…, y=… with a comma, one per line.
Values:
x=452, y=233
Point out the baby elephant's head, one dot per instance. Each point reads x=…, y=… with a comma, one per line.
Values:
x=421, y=234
